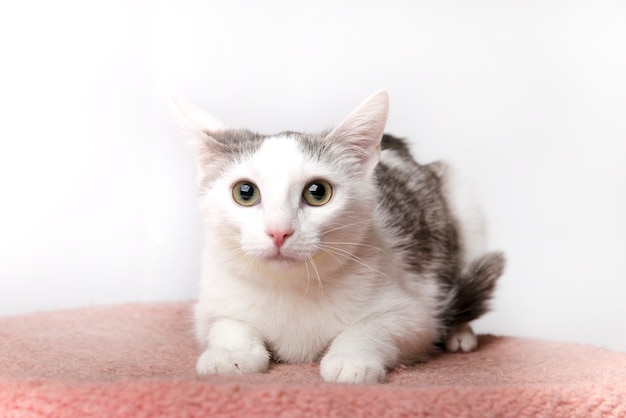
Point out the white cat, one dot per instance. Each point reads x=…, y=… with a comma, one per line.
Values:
x=335, y=246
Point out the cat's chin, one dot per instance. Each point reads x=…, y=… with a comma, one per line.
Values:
x=281, y=262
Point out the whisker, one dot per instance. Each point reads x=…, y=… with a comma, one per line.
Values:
x=356, y=244
x=345, y=226
x=247, y=267
x=308, y=276
x=334, y=256
x=341, y=252
x=241, y=259
x=317, y=273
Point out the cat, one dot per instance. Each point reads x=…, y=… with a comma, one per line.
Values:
x=335, y=247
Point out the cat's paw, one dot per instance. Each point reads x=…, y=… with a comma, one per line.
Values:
x=461, y=338
x=239, y=361
x=353, y=369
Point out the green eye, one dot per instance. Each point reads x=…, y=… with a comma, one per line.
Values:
x=317, y=193
x=246, y=193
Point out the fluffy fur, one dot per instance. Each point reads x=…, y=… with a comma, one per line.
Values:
x=391, y=266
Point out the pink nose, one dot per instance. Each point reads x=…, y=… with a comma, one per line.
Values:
x=279, y=236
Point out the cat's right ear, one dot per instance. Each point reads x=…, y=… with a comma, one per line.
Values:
x=195, y=123
x=197, y=126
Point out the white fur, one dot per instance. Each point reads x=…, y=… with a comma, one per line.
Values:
x=461, y=338
x=333, y=292
x=470, y=218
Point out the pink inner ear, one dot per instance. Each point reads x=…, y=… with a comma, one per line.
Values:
x=363, y=129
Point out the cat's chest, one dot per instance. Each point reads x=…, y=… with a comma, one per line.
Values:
x=299, y=328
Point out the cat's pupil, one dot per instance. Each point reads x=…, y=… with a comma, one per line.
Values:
x=318, y=191
x=246, y=191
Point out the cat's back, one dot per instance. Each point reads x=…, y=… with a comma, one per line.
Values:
x=414, y=208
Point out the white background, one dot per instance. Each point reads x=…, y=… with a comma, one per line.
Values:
x=528, y=98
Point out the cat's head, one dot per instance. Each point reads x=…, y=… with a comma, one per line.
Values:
x=289, y=201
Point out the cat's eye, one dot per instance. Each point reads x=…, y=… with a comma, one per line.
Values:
x=317, y=193
x=246, y=193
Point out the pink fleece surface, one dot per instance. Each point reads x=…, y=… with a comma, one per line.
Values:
x=137, y=360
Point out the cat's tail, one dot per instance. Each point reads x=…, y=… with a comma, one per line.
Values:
x=474, y=289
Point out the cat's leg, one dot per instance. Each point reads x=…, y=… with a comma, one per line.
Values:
x=233, y=347
x=349, y=361
x=461, y=338
x=364, y=353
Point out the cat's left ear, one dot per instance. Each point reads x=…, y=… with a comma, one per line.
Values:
x=363, y=130
x=195, y=123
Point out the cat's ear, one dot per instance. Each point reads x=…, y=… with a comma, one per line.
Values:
x=363, y=130
x=195, y=123
x=199, y=127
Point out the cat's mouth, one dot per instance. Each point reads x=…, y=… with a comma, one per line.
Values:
x=280, y=260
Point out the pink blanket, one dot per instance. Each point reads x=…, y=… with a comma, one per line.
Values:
x=138, y=360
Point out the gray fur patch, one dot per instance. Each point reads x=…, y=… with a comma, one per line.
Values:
x=416, y=209
x=223, y=149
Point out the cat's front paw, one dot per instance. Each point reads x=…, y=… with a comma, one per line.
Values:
x=239, y=361
x=354, y=369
